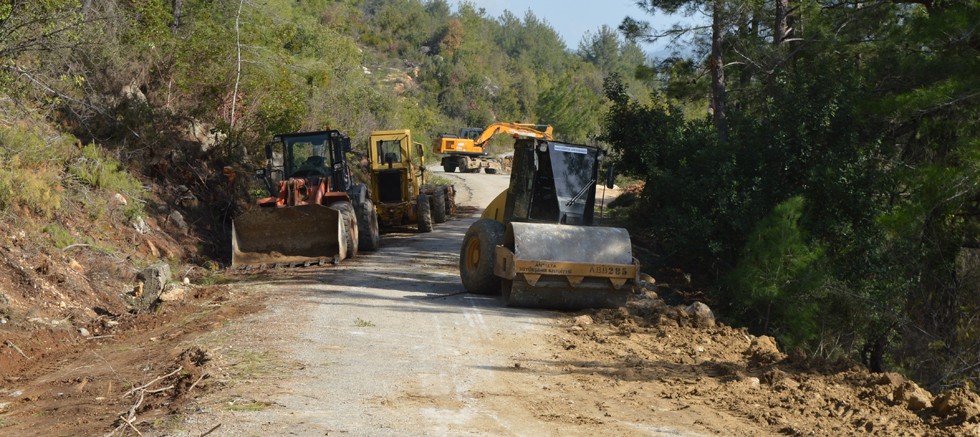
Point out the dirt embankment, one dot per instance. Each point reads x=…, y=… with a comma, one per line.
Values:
x=122, y=372
x=740, y=384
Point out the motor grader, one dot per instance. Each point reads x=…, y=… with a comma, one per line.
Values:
x=315, y=212
x=398, y=183
x=536, y=243
x=469, y=151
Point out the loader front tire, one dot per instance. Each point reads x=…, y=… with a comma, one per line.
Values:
x=423, y=209
x=439, y=205
x=476, y=257
x=348, y=226
x=369, y=239
x=449, y=168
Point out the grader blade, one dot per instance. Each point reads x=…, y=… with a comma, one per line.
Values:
x=291, y=235
x=565, y=267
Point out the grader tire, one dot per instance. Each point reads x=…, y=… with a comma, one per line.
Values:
x=424, y=211
x=439, y=205
x=477, y=254
x=369, y=239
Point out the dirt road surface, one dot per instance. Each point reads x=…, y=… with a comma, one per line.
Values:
x=389, y=344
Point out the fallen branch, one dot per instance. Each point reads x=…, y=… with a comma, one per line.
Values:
x=211, y=430
x=100, y=336
x=159, y=389
x=17, y=349
x=131, y=425
x=143, y=387
x=75, y=245
x=203, y=374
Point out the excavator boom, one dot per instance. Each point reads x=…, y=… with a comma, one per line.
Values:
x=519, y=129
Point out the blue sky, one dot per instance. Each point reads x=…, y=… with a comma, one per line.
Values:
x=572, y=19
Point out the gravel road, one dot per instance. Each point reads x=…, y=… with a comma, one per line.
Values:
x=389, y=343
x=385, y=344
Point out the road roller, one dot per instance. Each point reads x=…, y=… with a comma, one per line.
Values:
x=537, y=245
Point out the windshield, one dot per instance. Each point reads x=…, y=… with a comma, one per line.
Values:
x=308, y=154
x=573, y=171
x=389, y=151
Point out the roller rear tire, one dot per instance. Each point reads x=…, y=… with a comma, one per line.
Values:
x=476, y=257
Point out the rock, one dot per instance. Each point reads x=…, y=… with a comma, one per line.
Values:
x=185, y=197
x=186, y=281
x=583, y=320
x=4, y=300
x=701, y=315
x=121, y=199
x=153, y=249
x=915, y=398
x=83, y=332
x=173, y=293
x=140, y=225
x=891, y=378
x=764, y=351
x=204, y=134
x=74, y=265
x=960, y=404
x=752, y=382
x=176, y=219
x=154, y=278
x=133, y=93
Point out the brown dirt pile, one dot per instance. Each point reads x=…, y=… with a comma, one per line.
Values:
x=668, y=353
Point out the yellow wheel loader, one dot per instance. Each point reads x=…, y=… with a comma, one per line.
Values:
x=536, y=243
x=315, y=213
x=398, y=185
x=469, y=151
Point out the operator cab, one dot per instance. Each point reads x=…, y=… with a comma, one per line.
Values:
x=553, y=182
x=309, y=155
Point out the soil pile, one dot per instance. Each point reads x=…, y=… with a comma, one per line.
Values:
x=674, y=352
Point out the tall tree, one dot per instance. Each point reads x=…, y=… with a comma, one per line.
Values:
x=717, y=11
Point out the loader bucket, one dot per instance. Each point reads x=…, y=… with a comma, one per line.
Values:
x=290, y=235
x=565, y=267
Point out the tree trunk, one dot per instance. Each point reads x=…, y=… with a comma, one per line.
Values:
x=781, y=27
x=178, y=6
x=718, y=71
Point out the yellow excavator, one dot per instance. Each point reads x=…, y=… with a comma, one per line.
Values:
x=536, y=243
x=469, y=150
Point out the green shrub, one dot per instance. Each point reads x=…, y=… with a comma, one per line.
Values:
x=778, y=274
x=61, y=237
x=30, y=170
x=98, y=170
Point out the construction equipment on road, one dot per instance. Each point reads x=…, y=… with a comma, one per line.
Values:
x=536, y=243
x=398, y=183
x=315, y=214
x=469, y=151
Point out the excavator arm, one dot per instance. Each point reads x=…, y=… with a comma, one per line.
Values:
x=520, y=129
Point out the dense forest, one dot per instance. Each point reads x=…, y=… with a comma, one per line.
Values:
x=812, y=164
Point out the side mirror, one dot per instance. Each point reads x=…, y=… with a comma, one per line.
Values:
x=268, y=151
x=260, y=173
x=610, y=176
x=421, y=151
x=345, y=144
